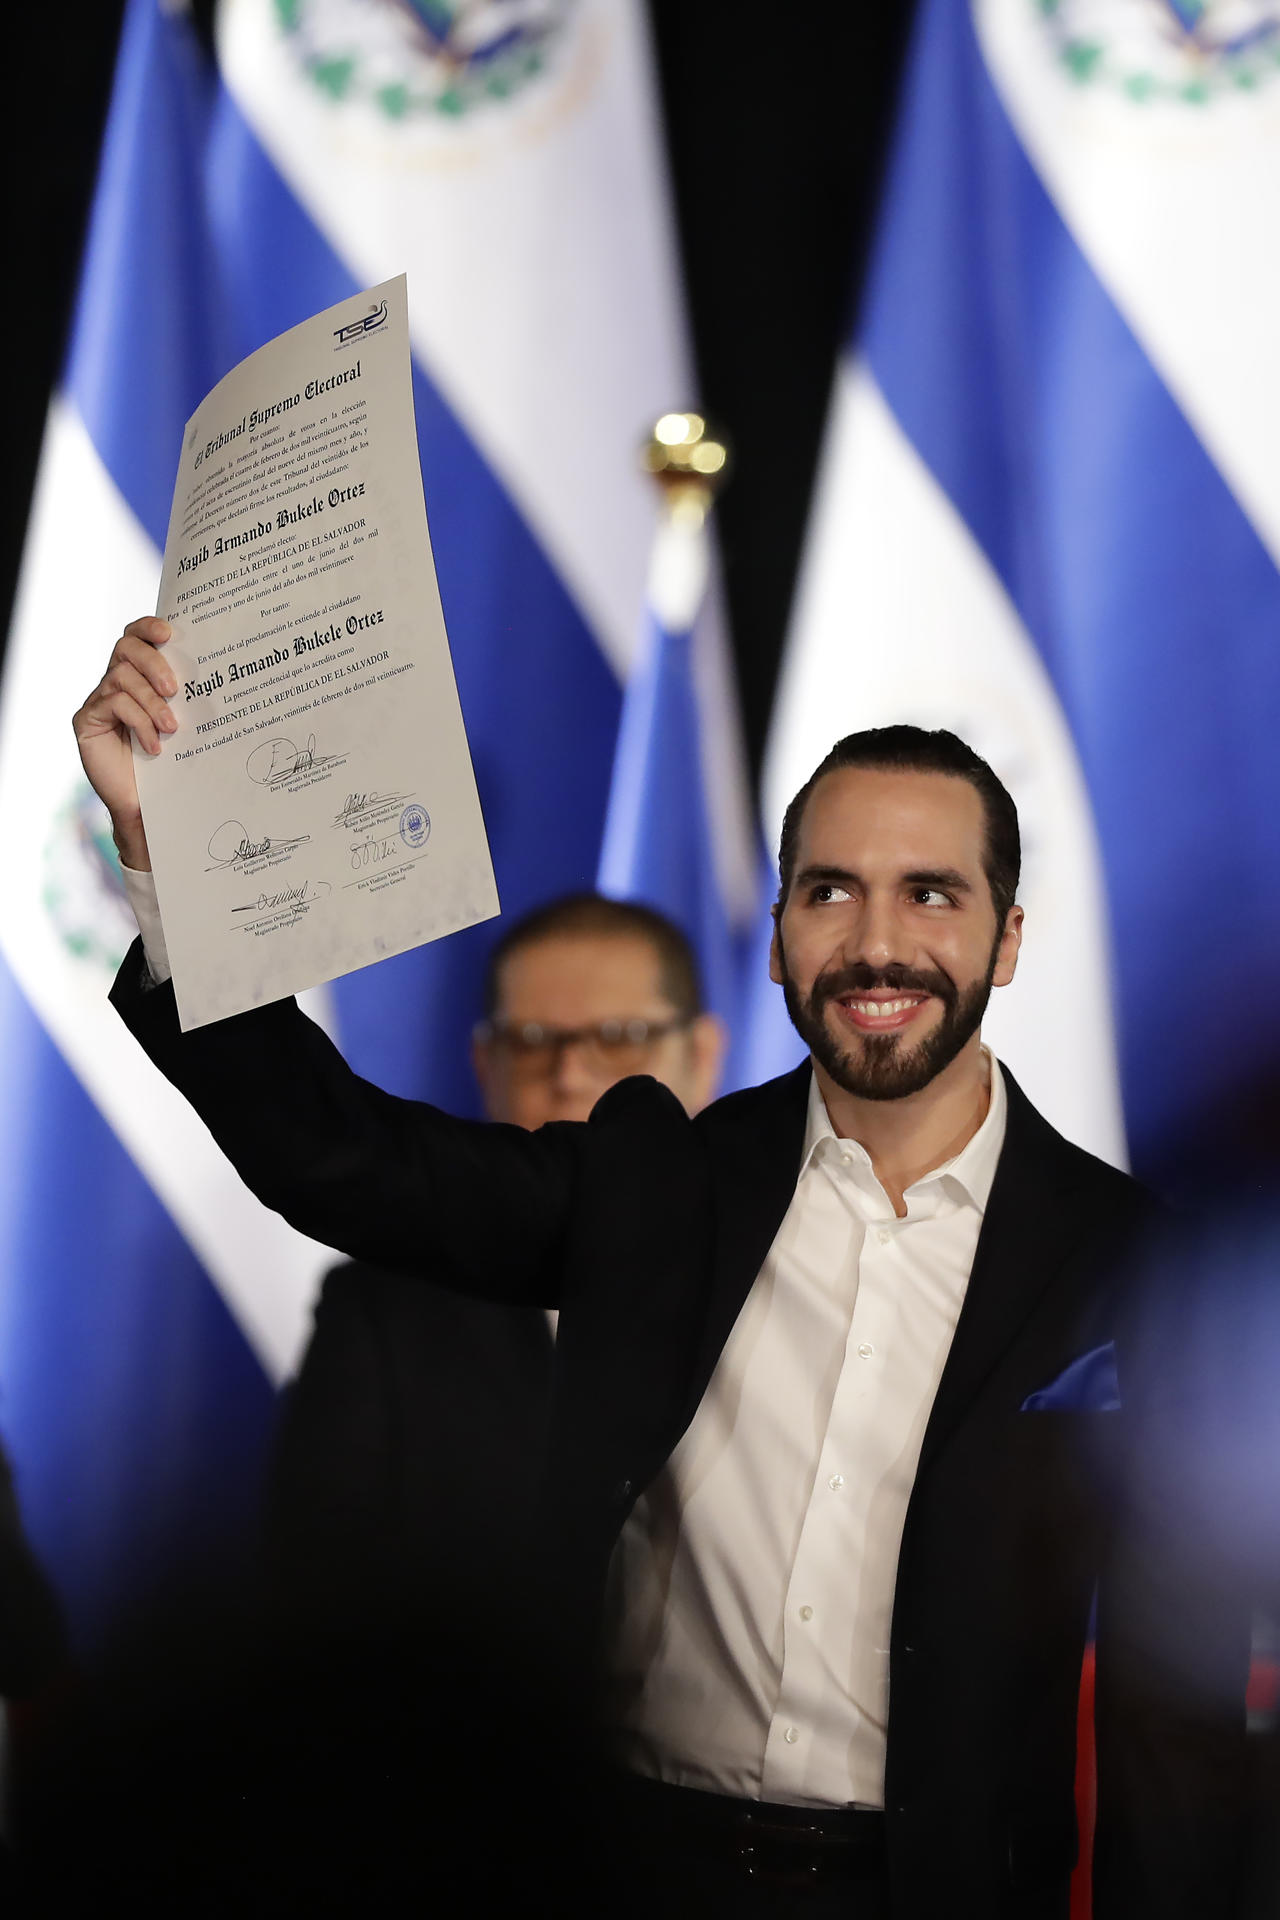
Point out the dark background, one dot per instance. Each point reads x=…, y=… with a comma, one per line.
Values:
x=776, y=120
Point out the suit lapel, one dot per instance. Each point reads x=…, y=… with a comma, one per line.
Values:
x=1032, y=1223
x=754, y=1143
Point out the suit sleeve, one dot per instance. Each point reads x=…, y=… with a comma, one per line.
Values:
x=481, y=1207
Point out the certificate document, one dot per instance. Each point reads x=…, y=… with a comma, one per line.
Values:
x=316, y=809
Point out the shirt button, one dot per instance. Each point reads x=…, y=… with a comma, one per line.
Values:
x=884, y=1236
x=791, y=1735
x=847, y=1156
x=806, y=1613
x=836, y=1482
x=866, y=1350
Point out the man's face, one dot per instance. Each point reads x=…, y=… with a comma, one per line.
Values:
x=887, y=945
x=572, y=981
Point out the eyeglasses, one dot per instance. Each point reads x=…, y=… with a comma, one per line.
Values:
x=611, y=1049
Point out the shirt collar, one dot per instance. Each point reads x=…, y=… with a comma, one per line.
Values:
x=973, y=1169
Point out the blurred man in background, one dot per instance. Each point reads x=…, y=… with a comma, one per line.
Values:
x=582, y=993
x=412, y=1439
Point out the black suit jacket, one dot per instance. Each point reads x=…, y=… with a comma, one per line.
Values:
x=647, y=1230
x=408, y=1455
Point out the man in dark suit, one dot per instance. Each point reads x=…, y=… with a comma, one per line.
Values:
x=416, y=1403
x=812, y=1425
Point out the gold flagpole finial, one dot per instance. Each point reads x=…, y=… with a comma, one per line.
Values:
x=689, y=462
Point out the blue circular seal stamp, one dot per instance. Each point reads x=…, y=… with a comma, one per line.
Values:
x=415, y=825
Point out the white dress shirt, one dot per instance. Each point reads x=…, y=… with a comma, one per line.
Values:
x=140, y=891
x=752, y=1588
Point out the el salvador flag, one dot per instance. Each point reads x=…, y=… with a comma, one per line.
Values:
x=509, y=159
x=1049, y=518
x=678, y=832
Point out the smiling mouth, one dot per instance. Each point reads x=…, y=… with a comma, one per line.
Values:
x=884, y=1015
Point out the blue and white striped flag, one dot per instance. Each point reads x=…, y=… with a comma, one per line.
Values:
x=678, y=832
x=508, y=157
x=1049, y=518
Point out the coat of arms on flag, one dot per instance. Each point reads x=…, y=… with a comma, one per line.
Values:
x=82, y=891
x=424, y=59
x=1188, y=50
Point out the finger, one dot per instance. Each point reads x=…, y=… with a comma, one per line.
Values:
x=129, y=713
x=148, y=661
x=127, y=679
x=97, y=715
x=151, y=628
x=111, y=710
x=144, y=688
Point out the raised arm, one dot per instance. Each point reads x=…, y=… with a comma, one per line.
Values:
x=130, y=698
x=393, y=1181
x=475, y=1205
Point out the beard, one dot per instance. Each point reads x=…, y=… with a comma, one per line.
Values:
x=883, y=1068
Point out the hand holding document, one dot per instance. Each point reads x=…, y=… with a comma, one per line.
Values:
x=315, y=809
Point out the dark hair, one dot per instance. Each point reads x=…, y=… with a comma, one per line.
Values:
x=593, y=914
x=906, y=749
